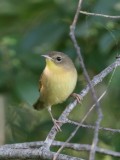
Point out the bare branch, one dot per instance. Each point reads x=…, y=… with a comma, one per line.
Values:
x=32, y=154
x=99, y=112
x=85, y=147
x=36, y=145
x=100, y=15
x=93, y=127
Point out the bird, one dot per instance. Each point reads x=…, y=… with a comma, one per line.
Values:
x=56, y=83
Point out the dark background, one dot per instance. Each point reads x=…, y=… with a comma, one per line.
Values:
x=30, y=28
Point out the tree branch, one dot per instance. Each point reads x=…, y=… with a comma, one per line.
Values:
x=100, y=15
x=35, y=145
x=32, y=154
x=93, y=127
x=99, y=112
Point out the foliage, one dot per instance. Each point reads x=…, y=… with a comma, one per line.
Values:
x=30, y=28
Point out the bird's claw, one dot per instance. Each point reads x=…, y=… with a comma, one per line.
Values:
x=77, y=97
x=57, y=126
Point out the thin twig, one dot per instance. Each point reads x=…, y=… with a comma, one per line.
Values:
x=93, y=127
x=100, y=15
x=87, y=147
x=99, y=112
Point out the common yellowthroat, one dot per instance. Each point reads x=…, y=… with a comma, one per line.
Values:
x=57, y=82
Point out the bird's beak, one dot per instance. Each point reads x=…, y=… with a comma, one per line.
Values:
x=46, y=56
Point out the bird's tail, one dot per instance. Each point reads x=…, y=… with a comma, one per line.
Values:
x=38, y=105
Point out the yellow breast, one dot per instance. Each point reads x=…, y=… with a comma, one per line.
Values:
x=57, y=85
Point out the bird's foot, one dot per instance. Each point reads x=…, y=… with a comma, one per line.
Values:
x=77, y=97
x=57, y=124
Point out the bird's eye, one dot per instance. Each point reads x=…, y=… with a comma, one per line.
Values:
x=58, y=59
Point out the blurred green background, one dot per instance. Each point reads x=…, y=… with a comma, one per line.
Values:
x=30, y=28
